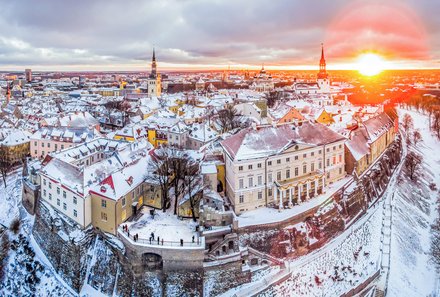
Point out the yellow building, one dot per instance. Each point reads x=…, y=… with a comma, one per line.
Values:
x=14, y=147
x=323, y=117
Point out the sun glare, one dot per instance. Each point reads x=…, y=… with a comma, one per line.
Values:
x=370, y=64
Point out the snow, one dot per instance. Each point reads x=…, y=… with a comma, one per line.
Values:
x=266, y=215
x=411, y=272
x=165, y=225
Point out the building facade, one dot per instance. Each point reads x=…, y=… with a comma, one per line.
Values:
x=281, y=166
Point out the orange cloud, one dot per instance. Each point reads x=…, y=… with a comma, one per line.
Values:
x=388, y=28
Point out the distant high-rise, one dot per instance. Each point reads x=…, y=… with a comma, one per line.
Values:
x=28, y=74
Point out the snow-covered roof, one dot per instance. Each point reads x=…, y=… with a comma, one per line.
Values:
x=257, y=143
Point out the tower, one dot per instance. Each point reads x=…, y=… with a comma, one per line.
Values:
x=153, y=73
x=323, y=80
x=154, y=84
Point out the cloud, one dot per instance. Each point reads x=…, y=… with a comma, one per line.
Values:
x=285, y=32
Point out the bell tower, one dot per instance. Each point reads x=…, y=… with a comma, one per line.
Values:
x=323, y=80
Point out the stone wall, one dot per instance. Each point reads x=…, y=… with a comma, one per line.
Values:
x=173, y=257
x=60, y=243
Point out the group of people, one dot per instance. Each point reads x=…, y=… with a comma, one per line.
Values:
x=152, y=237
x=125, y=229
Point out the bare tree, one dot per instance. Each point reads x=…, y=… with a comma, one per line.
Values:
x=160, y=171
x=435, y=244
x=193, y=185
x=417, y=137
x=4, y=169
x=407, y=123
x=436, y=123
x=413, y=163
x=229, y=118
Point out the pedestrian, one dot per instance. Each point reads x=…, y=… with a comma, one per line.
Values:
x=150, y=239
x=181, y=242
x=137, y=237
x=128, y=233
x=158, y=240
x=193, y=238
x=152, y=235
x=162, y=241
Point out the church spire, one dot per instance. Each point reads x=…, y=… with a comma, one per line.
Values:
x=322, y=65
x=153, y=65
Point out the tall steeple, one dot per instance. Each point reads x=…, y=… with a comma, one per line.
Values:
x=322, y=71
x=153, y=65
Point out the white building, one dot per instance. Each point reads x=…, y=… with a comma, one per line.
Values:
x=281, y=165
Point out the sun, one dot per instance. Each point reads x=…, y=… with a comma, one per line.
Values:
x=370, y=64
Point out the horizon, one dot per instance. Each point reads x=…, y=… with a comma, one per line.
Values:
x=198, y=35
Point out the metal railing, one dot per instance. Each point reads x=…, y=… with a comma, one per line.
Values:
x=198, y=241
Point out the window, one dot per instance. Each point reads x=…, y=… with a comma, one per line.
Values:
x=278, y=175
x=240, y=183
x=296, y=171
x=104, y=216
x=296, y=157
x=328, y=149
x=240, y=168
x=103, y=203
x=241, y=199
x=269, y=177
x=260, y=195
x=64, y=194
x=304, y=155
x=279, y=161
x=312, y=154
x=62, y=146
x=334, y=148
x=35, y=152
x=269, y=163
x=250, y=167
x=304, y=169
x=50, y=196
x=288, y=173
x=50, y=185
x=58, y=202
x=259, y=165
x=123, y=201
x=340, y=146
x=260, y=180
x=44, y=181
x=75, y=201
x=42, y=144
x=334, y=160
x=48, y=144
x=269, y=192
x=64, y=206
x=320, y=165
x=58, y=190
x=319, y=152
x=340, y=158
x=340, y=170
x=328, y=162
x=75, y=213
x=56, y=146
x=44, y=193
x=287, y=159
x=35, y=143
x=312, y=167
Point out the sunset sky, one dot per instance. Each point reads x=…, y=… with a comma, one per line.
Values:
x=193, y=34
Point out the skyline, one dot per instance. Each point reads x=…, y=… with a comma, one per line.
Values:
x=201, y=35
